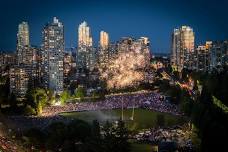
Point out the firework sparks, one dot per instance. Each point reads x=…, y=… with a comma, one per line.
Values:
x=127, y=69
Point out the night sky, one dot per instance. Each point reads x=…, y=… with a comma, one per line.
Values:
x=152, y=18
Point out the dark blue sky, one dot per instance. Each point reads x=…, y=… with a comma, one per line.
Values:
x=153, y=18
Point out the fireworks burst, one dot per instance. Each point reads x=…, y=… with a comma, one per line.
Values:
x=127, y=69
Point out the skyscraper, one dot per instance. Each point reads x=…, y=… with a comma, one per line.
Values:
x=20, y=74
x=104, y=40
x=218, y=55
x=52, y=55
x=84, y=35
x=103, y=48
x=202, y=57
x=182, y=47
x=85, y=53
x=24, y=54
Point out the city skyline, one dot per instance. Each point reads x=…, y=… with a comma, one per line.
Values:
x=113, y=75
x=153, y=20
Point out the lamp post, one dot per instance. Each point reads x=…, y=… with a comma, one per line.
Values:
x=122, y=110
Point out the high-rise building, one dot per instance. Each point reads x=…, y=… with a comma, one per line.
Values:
x=202, y=57
x=182, y=47
x=21, y=74
x=92, y=58
x=84, y=35
x=104, y=40
x=85, y=53
x=7, y=59
x=218, y=54
x=52, y=55
x=23, y=51
x=67, y=64
x=19, y=80
x=103, y=48
x=36, y=67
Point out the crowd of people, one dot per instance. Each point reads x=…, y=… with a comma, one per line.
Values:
x=50, y=114
x=7, y=145
x=178, y=134
x=153, y=101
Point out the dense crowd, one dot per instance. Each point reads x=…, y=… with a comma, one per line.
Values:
x=50, y=114
x=176, y=134
x=7, y=145
x=153, y=101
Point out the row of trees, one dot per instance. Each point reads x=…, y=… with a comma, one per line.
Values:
x=36, y=98
x=79, y=136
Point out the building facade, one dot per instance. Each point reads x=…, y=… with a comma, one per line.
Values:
x=21, y=73
x=36, y=67
x=84, y=35
x=201, y=57
x=103, y=48
x=7, y=59
x=182, y=47
x=19, y=80
x=86, y=54
x=23, y=50
x=218, y=54
x=53, y=55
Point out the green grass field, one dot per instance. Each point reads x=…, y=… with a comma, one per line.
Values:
x=143, y=119
x=141, y=148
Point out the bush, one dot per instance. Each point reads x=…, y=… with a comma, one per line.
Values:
x=34, y=136
x=29, y=110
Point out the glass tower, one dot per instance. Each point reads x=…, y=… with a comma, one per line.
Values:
x=182, y=47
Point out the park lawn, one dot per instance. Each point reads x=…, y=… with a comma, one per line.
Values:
x=141, y=147
x=143, y=119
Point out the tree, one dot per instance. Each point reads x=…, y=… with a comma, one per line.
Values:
x=79, y=130
x=80, y=92
x=28, y=110
x=56, y=133
x=64, y=96
x=50, y=96
x=96, y=130
x=12, y=100
x=109, y=137
x=122, y=137
x=39, y=99
x=39, y=108
x=116, y=137
x=73, y=86
x=95, y=142
x=35, y=137
x=195, y=138
x=4, y=87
